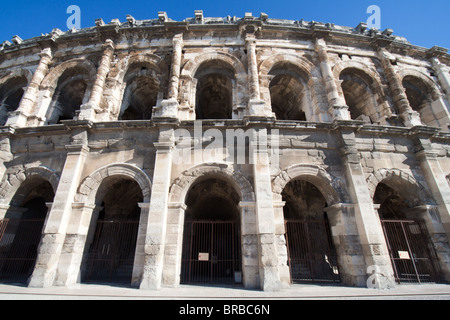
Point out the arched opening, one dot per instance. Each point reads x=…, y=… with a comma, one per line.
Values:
x=21, y=230
x=420, y=99
x=211, y=239
x=288, y=93
x=359, y=95
x=312, y=256
x=111, y=244
x=411, y=251
x=10, y=96
x=141, y=93
x=214, y=91
x=69, y=95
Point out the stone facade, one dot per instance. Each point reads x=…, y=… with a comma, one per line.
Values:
x=344, y=109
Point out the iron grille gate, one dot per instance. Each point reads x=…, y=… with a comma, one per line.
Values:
x=211, y=252
x=19, y=241
x=311, y=254
x=111, y=256
x=411, y=251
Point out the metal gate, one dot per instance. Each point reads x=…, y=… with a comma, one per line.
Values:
x=311, y=254
x=411, y=251
x=19, y=241
x=211, y=252
x=111, y=256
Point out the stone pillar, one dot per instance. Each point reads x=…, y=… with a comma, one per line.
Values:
x=338, y=108
x=139, y=258
x=174, y=80
x=157, y=220
x=250, y=42
x=169, y=106
x=351, y=262
x=442, y=73
x=174, y=244
x=368, y=225
x=19, y=117
x=256, y=106
x=76, y=243
x=280, y=234
x=265, y=222
x=410, y=117
x=249, y=245
x=434, y=176
x=55, y=228
x=5, y=149
x=89, y=110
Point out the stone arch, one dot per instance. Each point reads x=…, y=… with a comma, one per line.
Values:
x=331, y=187
x=119, y=71
x=427, y=80
x=425, y=97
x=178, y=204
x=301, y=63
x=182, y=184
x=26, y=208
x=12, y=89
x=191, y=67
x=237, y=77
x=51, y=80
x=65, y=88
x=97, y=194
x=87, y=191
x=142, y=79
x=289, y=80
x=16, y=73
x=12, y=181
x=404, y=183
x=362, y=88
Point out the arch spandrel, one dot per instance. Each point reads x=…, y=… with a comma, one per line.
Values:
x=181, y=186
x=331, y=187
x=411, y=189
x=431, y=85
x=306, y=68
x=51, y=79
x=190, y=68
x=87, y=191
x=12, y=181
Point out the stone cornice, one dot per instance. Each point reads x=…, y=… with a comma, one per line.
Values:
x=301, y=126
x=262, y=23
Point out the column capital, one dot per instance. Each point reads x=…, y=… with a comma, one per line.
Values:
x=164, y=147
x=247, y=204
x=108, y=45
x=178, y=39
x=46, y=53
x=177, y=206
x=83, y=205
x=77, y=149
x=250, y=38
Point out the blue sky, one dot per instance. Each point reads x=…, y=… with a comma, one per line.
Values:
x=423, y=23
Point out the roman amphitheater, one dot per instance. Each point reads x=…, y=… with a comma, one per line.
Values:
x=114, y=168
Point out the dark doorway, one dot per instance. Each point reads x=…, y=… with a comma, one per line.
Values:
x=312, y=257
x=411, y=251
x=21, y=230
x=214, y=91
x=112, y=250
x=211, y=239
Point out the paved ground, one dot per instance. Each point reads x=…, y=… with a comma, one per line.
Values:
x=185, y=292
